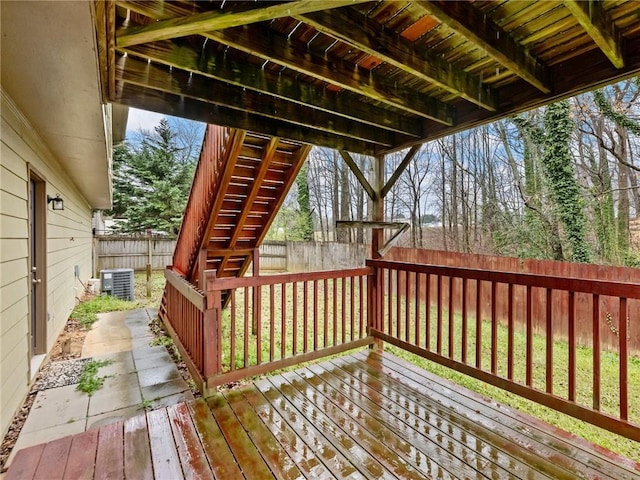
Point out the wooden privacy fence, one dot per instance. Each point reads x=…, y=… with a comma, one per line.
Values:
x=111, y=251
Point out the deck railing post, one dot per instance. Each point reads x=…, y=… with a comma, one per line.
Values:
x=211, y=333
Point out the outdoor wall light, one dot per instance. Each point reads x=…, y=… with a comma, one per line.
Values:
x=58, y=203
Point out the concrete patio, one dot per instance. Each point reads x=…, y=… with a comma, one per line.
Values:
x=140, y=376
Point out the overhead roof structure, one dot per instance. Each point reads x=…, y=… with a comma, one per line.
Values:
x=363, y=76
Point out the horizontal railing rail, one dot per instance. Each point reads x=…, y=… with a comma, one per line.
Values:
x=448, y=315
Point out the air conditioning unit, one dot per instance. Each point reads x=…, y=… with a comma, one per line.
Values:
x=117, y=282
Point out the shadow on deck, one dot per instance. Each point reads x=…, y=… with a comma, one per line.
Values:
x=364, y=415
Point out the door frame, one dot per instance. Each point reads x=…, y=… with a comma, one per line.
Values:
x=37, y=205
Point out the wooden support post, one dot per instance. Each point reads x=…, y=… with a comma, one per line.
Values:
x=377, y=240
x=257, y=293
x=202, y=267
x=211, y=331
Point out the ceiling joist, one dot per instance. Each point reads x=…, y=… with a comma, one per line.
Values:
x=179, y=106
x=401, y=54
x=260, y=42
x=221, y=67
x=593, y=18
x=482, y=31
x=218, y=20
x=274, y=48
x=138, y=72
x=368, y=78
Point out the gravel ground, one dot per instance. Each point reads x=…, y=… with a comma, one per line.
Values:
x=60, y=374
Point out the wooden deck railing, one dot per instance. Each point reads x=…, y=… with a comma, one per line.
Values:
x=439, y=313
x=201, y=198
x=271, y=322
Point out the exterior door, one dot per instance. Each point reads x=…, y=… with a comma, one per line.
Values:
x=37, y=264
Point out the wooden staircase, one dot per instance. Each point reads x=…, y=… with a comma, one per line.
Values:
x=240, y=183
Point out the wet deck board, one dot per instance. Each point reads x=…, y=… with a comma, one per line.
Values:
x=359, y=416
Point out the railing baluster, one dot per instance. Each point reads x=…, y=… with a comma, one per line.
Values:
x=406, y=306
x=257, y=312
x=464, y=321
x=478, y=324
x=494, y=329
x=335, y=311
x=439, y=315
x=351, y=316
x=361, y=305
x=451, y=322
x=343, y=308
x=595, y=318
x=271, y=322
x=572, y=347
x=305, y=316
x=529, y=340
x=510, y=328
x=283, y=321
x=325, y=301
x=624, y=360
x=315, y=314
x=398, y=312
x=416, y=340
x=549, y=342
x=294, y=313
x=389, y=304
x=246, y=328
x=232, y=353
x=427, y=303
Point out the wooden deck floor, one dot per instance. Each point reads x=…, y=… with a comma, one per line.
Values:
x=360, y=416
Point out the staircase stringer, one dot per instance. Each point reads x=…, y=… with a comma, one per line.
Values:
x=234, y=144
x=201, y=196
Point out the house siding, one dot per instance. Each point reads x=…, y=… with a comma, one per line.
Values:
x=69, y=243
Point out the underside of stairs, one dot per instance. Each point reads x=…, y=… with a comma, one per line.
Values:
x=240, y=182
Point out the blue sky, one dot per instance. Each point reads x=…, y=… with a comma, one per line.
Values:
x=142, y=120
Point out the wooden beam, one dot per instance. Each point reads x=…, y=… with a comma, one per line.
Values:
x=597, y=23
x=358, y=173
x=220, y=19
x=272, y=47
x=375, y=40
x=474, y=25
x=179, y=82
x=401, y=168
x=216, y=65
x=185, y=107
x=381, y=252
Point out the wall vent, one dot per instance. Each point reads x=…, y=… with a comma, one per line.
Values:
x=117, y=282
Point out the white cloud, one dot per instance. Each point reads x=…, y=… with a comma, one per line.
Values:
x=142, y=120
